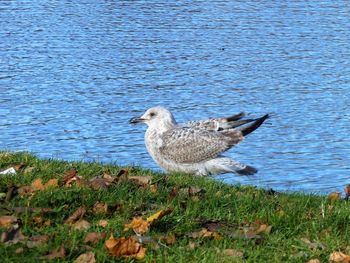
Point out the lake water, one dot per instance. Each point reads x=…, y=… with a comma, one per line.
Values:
x=72, y=73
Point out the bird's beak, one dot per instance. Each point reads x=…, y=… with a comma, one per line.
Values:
x=136, y=120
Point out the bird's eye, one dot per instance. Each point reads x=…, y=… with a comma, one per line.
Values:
x=152, y=114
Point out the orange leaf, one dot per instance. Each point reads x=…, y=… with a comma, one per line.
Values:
x=160, y=214
x=38, y=184
x=6, y=221
x=125, y=247
x=103, y=223
x=339, y=257
x=100, y=208
x=138, y=224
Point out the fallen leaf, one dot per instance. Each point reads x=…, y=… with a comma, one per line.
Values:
x=7, y=221
x=25, y=190
x=153, y=188
x=103, y=223
x=94, y=237
x=138, y=224
x=205, y=233
x=40, y=221
x=347, y=192
x=100, y=208
x=169, y=240
x=141, y=180
x=38, y=184
x=78, y=214
x=12, y=236
x=37, y=241
x=59, y=252
x=98, y=183
x=192, y=191
x=125, y=247
x=71, y=176
x=264, y=229
x=314, y=260
x=157, y=216
x=88, y=257
x=232, y=253
x=339, y=257
x=334, y=196
x=123, y=176
x=81, y=225
x=19, y=250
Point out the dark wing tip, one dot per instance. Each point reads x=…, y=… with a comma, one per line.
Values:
x=246, y=130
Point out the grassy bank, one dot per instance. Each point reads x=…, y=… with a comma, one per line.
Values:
x=200, y=220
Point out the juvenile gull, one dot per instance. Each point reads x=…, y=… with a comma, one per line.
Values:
x=196, y=147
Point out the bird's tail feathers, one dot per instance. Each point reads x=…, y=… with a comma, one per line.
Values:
x=226, y=165
x=252, y=127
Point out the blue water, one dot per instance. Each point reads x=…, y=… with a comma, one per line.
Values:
x=72, y=73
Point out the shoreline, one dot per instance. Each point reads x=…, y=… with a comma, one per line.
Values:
x=176, y=217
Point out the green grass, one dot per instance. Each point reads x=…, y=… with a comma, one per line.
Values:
x=292, y=216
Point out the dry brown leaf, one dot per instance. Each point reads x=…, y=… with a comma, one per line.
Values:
x=37, y=241
x=347, y=192
x=314, y=260
x=25, y=190
x=98, y=183
x=12, y=236
x=38, y=184
x=103, y=223
x=339, y=257
x=125, y=247
x=153, y=188
x=157, y=216
x=205, y=233
x=232, y=253
x=100, y=208
x=81, y=225
x=94, y=237
x=141, y=180
x=59, y=252
x=192, y=191
x=7, y=221
x=169, y=240
x=78, y=214
x=334, y=196
x=138, y=224
x=264, y=229
x=19, y=250
x=88, y=257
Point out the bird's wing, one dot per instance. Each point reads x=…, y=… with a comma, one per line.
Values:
x=219, y=124
x=193, y=145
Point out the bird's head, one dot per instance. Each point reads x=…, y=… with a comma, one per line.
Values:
x=157, y=117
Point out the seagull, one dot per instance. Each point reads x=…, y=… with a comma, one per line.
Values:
x=196, y=147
